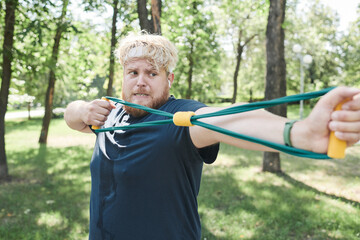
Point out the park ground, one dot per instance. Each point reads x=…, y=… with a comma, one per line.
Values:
x=48, y=197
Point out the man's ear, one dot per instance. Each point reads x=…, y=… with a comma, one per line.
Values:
x=170, y=79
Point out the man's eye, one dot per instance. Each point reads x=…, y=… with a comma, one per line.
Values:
x=153, y=74
x=133, y=73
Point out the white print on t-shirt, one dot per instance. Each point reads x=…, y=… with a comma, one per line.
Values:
x=113, y=121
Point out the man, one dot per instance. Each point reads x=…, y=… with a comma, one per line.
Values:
x=145, y=181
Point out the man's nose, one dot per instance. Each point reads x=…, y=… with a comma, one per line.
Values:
x=141, y=81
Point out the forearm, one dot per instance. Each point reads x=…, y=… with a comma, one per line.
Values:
x=310, y=134
x=259, y=124
x=73, y=116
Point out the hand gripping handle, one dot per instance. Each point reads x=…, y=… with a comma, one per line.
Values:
x=98, y=127
x=336, y=147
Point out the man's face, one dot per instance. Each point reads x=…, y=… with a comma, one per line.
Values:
x=144, y=85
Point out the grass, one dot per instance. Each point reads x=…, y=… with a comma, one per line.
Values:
x=48, y=197
x=311, y=200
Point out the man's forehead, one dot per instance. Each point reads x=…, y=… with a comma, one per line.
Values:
x=141, y=62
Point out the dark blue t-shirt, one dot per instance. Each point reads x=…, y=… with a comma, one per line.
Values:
x=145, y=181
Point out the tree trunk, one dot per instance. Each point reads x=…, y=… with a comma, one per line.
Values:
x=191, y=69
x=275, y=71
x=112, y=48
x=150, y=25
x=155, y=15
x=240, y=49
x=29, y=110
x=239, y=52
x=11, y=6
x=145, y=23
x=52, y=77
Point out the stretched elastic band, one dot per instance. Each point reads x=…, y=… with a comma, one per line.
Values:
x=183, y=119
x=191, y=120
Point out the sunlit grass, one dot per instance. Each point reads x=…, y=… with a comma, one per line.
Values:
x=49, y=195
x=238, y=201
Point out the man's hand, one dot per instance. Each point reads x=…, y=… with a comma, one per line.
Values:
x=313, y=133
x=95, y=112
x=79, y=114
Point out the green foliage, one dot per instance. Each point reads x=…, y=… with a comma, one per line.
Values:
x=210, y=28
x=30, y=51
x=86, y=58
x=83, y=62
x=315, y=29
x=195, y=37
x=350, y=54
x=249, y=18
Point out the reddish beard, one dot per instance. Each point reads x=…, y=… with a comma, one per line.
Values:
x=155, y=104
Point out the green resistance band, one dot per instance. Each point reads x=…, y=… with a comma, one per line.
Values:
x=231, y=110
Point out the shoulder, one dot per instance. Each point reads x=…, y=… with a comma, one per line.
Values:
x=173, y=105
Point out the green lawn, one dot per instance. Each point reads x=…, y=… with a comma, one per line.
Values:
x=49, y=194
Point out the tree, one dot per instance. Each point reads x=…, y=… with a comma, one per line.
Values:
x=123, y=16
x=126, y=17
x=197, y=72
x=314, y=27
x=350, y=44
x=240, y=48
x=61, y=27
x=275, y=71
x=10, y=12
x=244, y=21
x=30, y=51
x=112, y=48
x=151, y=25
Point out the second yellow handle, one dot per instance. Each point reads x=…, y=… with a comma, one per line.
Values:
x=98, y=127
x=336, y=147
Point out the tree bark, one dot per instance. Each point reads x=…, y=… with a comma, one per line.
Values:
x=150, y=25
x=275, y=71
x=52, y=76
x=240, y=49
x=8, y=43
x=112, y=48
x=145, y=23
x=239, y=52
x=155, y=15
x=191, y=69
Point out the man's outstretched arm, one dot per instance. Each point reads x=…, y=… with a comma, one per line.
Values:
x=310, y=134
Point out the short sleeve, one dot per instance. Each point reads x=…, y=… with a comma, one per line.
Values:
x=209, y=153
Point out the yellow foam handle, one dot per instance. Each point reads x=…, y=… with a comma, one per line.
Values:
x=183, y=119
x=98, y=127
x=336, y=147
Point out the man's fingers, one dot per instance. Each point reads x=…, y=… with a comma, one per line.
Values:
x=104, y=104
x=353, y=104
x=345, y=126
x=112, y=104
x=349, y=137
x=350, y=116
x=100, y=117
x=97, y=120
x=96, y=112
x=339, y=94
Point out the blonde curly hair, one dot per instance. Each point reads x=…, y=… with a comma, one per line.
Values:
x=157, y=49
